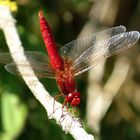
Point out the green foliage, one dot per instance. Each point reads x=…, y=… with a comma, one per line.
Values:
x=13, y=116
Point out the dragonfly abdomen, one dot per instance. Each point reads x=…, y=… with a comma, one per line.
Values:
x=55, y=59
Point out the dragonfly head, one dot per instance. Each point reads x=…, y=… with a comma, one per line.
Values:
x=73, y=98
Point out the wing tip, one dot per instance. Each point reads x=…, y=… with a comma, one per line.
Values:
x=136, y=34
x=122, y=27
x=6, y=67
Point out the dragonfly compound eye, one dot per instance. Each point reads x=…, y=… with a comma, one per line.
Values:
x=75, y=101
x=73, y=98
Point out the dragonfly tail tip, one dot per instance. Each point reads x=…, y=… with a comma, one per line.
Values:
x=40, y=14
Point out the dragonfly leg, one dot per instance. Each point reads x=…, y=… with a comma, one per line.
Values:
x=64, y=104
x=55, y=98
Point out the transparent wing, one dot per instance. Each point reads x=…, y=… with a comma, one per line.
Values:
x=26, y=70
x=75, y=49
x=32, y=56
x=37, y=60
x=104, y=49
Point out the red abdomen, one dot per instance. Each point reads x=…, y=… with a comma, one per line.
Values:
x=55, y=59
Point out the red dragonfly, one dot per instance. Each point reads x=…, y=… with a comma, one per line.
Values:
x=76, y=57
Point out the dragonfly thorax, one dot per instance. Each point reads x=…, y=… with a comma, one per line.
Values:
x=65, y=79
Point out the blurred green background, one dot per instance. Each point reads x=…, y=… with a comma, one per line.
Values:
x=22, y=116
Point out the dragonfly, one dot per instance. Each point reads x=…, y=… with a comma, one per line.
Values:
x=73, y=59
